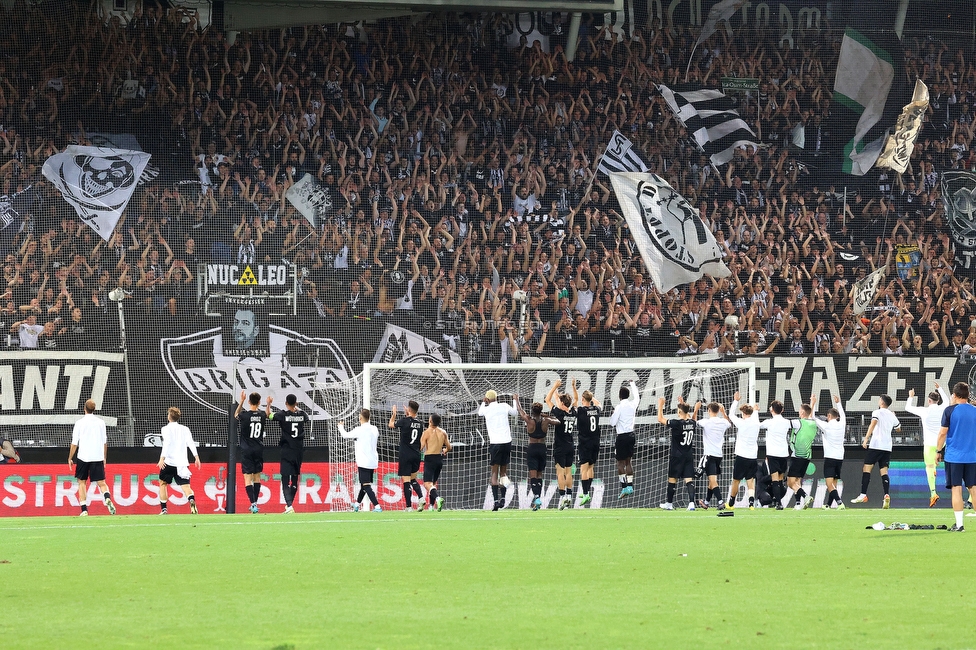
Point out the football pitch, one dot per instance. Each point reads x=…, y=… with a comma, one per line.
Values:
x=575, y=579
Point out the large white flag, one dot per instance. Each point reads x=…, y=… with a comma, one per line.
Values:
x=865, y=290
x=619, y=156
x=710, y=117
x=722, y=11
x=676, y=245
x=98, y=182
x=898, y=149
x=309, y=198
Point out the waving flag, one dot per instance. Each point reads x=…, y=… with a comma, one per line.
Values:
x=620, y=156
x=711, y=119
x=865, y=290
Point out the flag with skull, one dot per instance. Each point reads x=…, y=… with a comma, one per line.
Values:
x=959, y=199
x=97, y=181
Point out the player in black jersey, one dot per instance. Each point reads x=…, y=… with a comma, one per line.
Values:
x=536, y=426
x=251, y=427
x=293, y=423
x=411, y=430
x=563, y=452
x=588, y=435
x=681, y=464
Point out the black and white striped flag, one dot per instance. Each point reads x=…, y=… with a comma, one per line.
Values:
x=711, y=119
x=620, y=156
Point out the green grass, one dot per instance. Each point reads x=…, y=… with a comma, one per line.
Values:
x=578, y=579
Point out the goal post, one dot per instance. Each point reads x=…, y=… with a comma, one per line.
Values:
x=455, y=391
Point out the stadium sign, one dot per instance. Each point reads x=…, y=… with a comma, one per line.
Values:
x=739, y=83
x=247, y=275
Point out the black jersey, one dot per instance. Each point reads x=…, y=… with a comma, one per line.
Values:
x=293, y=426
x=588, y=423
x=251, y=427
x=682, y=436
x=563, y=435
x=410, y=431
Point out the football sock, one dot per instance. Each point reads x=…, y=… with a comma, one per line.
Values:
x=623, y=480
x=672, y=488
x=731, y=500
x=752, y=500
x=362, y=493
x=162, y=506
x=562, y=493
x=432, y=495
x=192, y=498
x=800, y=494
x=865, y=479
x=885, y=484
x=833, y=497
x=106, y=498
x=494, y=491
x=691, y=491
x=84, y=507
x=537, y=487
x=587, y=482
x=417, y=489
x=257, y=491
x=372, y=497
x=958, y=518
x=781, y=487
x=930, y=474
x=250, y=492
x=407, y=493
x=630, y=480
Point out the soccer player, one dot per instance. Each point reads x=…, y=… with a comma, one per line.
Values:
x=803, y=432
x=588, y=435
x=681, y=464
x=622, y=420
x=563, y=451
x=174, y=465
x=877, y=441
x=90, y=441
x=499, y=431
x=435, y=446
x=931, y=417
x=713, y=436
x=293, y=423
x=251, y=427
x=7, y=452
x=411, y=429
x=366, y=436
x=833, y=429
x=536, y=426
x=777, y=451
x=746, y=450
x=957, y=446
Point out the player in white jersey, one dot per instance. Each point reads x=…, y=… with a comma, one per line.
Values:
x=90, y=442
x=367, y=460
x=174, y=464
x=878, y=443
x=833, y=431
x=622, y=420
x=777, y=451
x=713, y=436
x=746, y=449
x=499, y=431
x=931, y=416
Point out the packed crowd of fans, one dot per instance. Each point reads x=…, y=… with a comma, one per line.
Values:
x=459, y=167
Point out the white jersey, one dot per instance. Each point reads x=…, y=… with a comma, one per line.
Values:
x=177, y=439
x=881, y=436
x=833, y=434
x=777, y=436
x=496, y=417
x=626, y=411
x=746, y=433
x=366, y=436
x=90, y=437
x=931, y=417
x=713, y=434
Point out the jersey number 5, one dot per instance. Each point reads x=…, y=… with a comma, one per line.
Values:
x=294, y=429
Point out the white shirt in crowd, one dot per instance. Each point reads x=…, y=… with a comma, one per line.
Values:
x=366, y=436
x=626, y=411
x=28, y=335
x=833, y=434
x=881, y=436
x=746, y=432
x=713, y=434
x=931, y=417
x=777, y=436
x=177, y=440
x=496, y=417
x=90, y=437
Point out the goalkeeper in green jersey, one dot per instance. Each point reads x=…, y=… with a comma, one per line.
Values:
x=802, y=434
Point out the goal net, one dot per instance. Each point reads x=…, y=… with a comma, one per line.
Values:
x=455, y=391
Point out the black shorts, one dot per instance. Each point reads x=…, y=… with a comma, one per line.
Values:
x=624, y=446
x=713, y=466
x=366, y=475
x=681, y=466
x=744, y=468
x=408, y=465
x=94, y=470
x=563, y=455
x=832, y=468
x=433, y=464
x=798, y=467
x=291, y=466
x=877, y=457
x=535, y=457
x=169, y=475
x=252, y=461
x=778, y=464
x=589, y=451
x=500, y=454
x=960, y=474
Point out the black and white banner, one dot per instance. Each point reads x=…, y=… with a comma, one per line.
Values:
x=711, y=118
x=97, y=182
x=309, y=198
x=620, y=156
x=898, y=148
x=673, y=241
x=865, y=290
x=959, y=199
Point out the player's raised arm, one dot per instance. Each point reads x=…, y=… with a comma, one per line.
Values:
x=942, y=393
x=518, y=405
x=240, y=403
x=660, y=411
x=393, y=417
x=910, y=405
x=344, y=433
x=575, y=393
x=552, y=392
x=840, y=410
x=635, y=393
x=267, y=408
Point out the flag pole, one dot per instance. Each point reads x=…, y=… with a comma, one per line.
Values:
x=843, y=215
x=589, y=186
